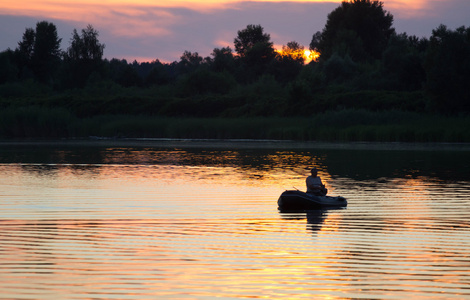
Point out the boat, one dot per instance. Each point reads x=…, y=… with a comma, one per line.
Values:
x=295, y=199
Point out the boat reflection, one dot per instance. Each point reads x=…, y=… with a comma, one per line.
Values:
x=315, y=218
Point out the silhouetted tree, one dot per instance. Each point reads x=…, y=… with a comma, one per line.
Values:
x=8, y=68
x=83, y=56
x=338, y=69
x=26, y=46
x=46, y=53
x=294, y=50
x=24, y=52
x=448, y=69
x=159, y=74
x=250, y=36
x=189, y=62
x=254, y=48
x=39, y=51
x=223, y=59
x=288, y=62
x=359, y=28
x=403, y=63
x=315, y=43
x=123, y=73
x=419, y=44
x=204, y=81
x=86, y=46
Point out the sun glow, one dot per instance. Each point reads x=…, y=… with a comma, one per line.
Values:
x=307, y=55
x=311, y=55
x=149, y=29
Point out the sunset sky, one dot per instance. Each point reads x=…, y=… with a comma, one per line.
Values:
x=146, y=30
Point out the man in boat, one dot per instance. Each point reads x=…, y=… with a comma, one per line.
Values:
x=314, y=184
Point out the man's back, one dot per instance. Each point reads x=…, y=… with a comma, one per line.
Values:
x=313, y=184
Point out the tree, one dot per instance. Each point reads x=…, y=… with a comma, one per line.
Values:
x=402, y=63
x=85, y=47
x=8, y=69
x=254, y=48
x=223, y=60
x=358, y=28
x=295, y=51
x=288, y=62
x=39, y=51
x=46, y=54
x=447, y=68
x=249, y=37
x=315, y=43
x=26, y=46
x=84, y=56
x=24, y=52
x=189, y=62
x=204, y=81
x=123, y=73
x=338, y=69
x=159, y=73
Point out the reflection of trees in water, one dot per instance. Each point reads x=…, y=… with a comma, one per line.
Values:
x=56, y=170
x=373, y=165
x=261, y=163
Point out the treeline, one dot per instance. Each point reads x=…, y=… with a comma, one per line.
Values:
x=364, y=65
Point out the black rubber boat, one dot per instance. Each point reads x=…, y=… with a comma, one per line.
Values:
x=291, y=200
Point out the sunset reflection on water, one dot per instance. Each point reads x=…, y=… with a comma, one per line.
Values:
x=201, y=223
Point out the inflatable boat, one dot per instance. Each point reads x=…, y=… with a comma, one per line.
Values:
x=300, y=200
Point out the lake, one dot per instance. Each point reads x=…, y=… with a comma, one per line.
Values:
x=169, y=219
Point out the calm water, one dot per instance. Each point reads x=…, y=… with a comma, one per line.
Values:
x=187, y=220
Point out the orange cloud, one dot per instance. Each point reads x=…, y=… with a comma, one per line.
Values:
x=166, y=28
x=95, y=11
x=406, y=4
x=122, y=20
x=74, y=7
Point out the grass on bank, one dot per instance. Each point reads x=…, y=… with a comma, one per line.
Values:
x=341, y=126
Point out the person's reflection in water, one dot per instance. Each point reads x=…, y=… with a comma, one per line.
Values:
x=315, y=218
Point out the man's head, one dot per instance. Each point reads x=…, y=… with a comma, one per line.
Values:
x=314, y=171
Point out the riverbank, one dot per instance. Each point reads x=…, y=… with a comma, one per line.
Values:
x=231, y=144
x=333, y=126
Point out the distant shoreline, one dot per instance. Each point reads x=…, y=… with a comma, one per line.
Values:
x=233, y=143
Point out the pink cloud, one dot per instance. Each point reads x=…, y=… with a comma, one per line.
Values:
x=150, y=29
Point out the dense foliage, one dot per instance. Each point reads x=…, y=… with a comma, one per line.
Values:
x=364, y=66
x=359, y=28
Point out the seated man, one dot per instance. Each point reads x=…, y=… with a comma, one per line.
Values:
x=314, y=184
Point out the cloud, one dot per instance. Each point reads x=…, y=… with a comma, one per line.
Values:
x=13, y=27
x=148, y=29
x=165, y=33
x=138, y=22
x=421, y=22
x=283, y=21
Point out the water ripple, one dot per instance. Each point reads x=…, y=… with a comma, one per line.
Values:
x=130, y=231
